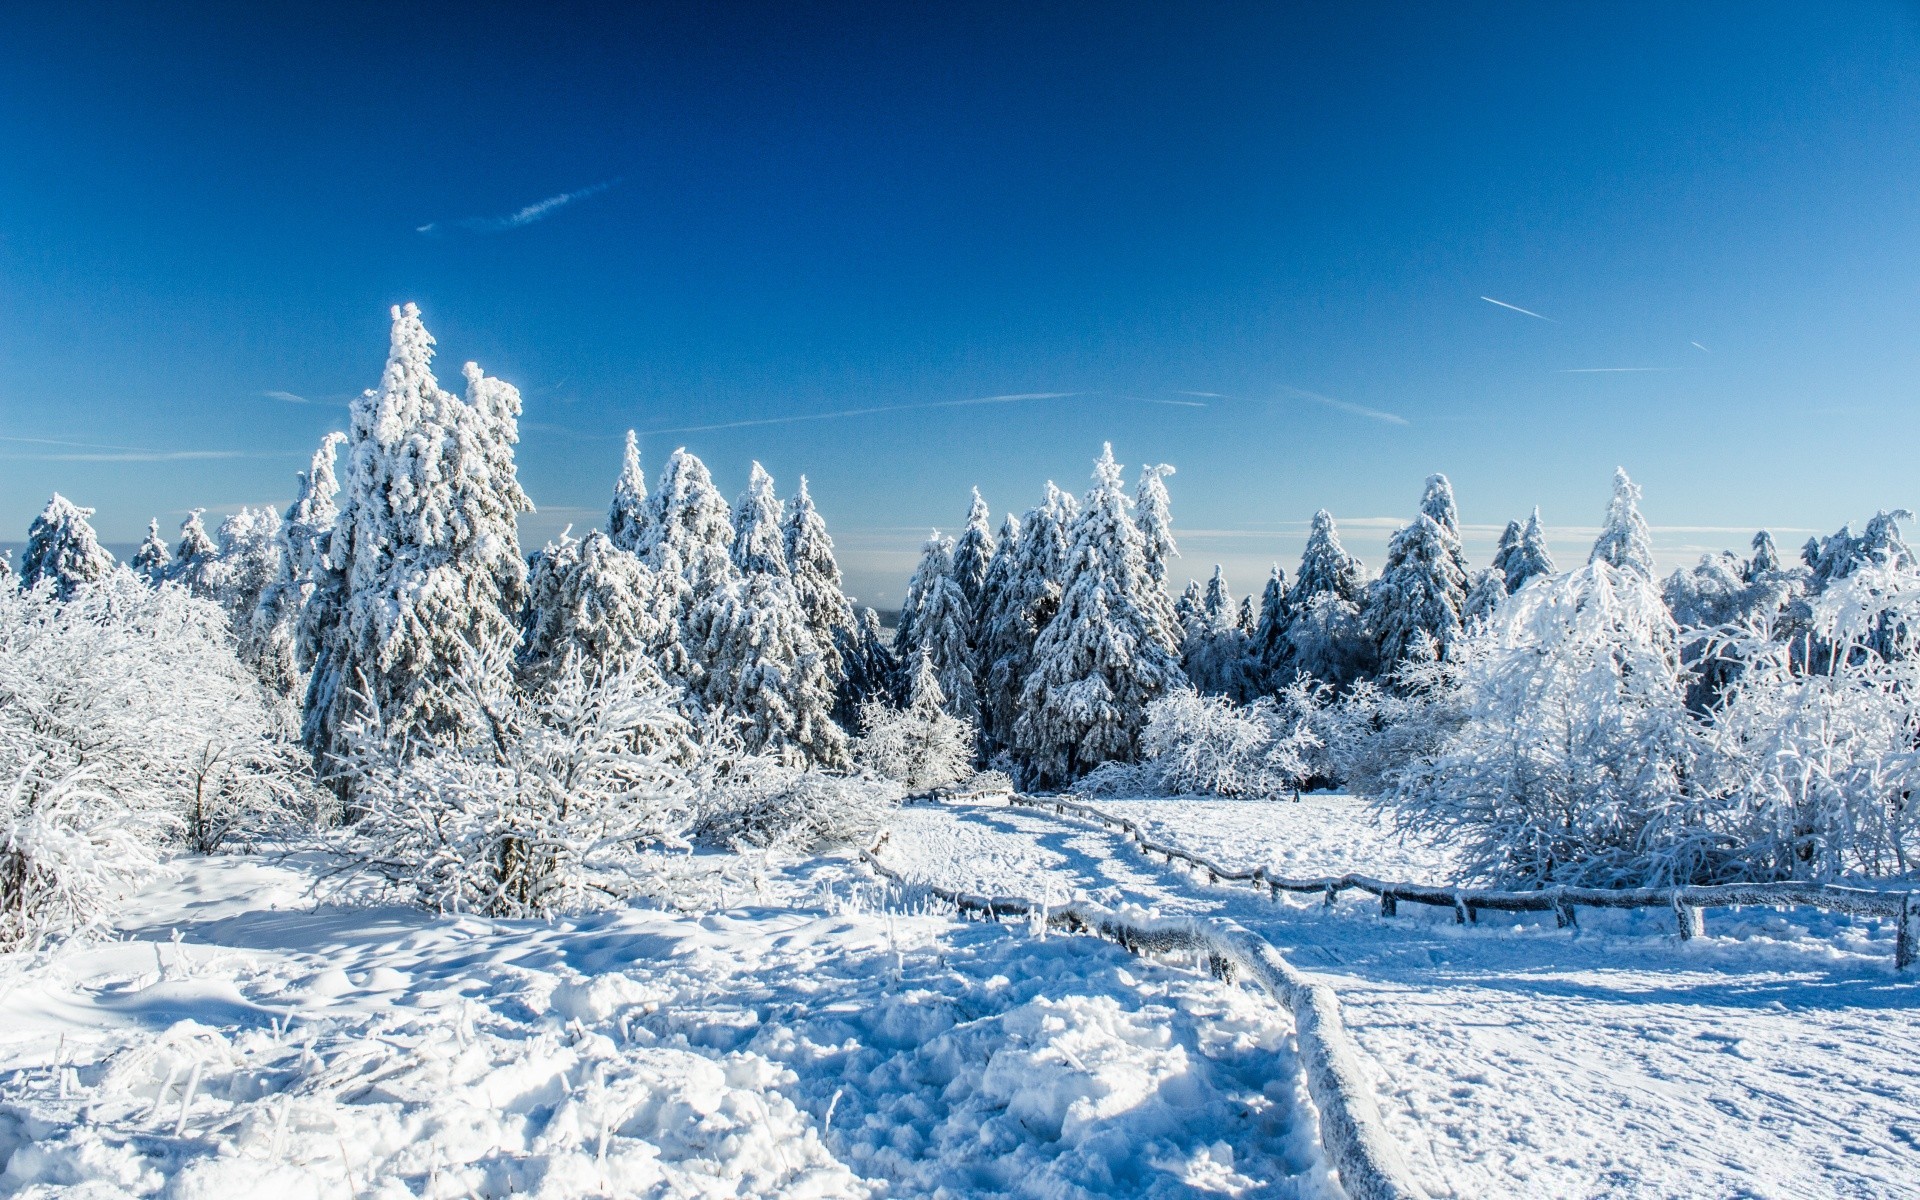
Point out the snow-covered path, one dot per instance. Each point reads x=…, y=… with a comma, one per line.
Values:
x=810, y=1037
x=1776, y=1057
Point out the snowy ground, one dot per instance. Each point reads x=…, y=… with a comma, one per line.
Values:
x=1779, y=1056
x=811, y=1036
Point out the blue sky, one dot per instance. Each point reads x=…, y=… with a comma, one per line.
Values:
x=1249, y=240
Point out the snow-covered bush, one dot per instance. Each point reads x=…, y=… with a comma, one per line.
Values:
x=1202, y=745
x=758, y=801
x=920, y=746
x=537, y=804
x=1575, y=756
x=126, y=724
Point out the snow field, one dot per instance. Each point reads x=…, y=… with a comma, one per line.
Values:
x=828, y=1041
x=1771, y=1058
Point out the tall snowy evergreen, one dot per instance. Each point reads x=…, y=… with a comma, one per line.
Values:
x=595, y=601
x=153, y=561
x=194, y=559
x=942, y=631
x=1624, y=540
x=868, y=670
x=972, y=555
x=936, y=564
x=294, y=608
x=424, y=561
x=627, y=514
x=1268, y=643
x=1153, y=512
x=1839, y=556
x=1523, y=555
x=762, y=674
x=1326, y=632
x=759, y=541
x=62, y=550
x=1100, y=660
x=1018, y=611
x=816, y=578
x=249, y=564
x=1325, y=566
x=1766, y=556
x=1215, y=652
x=689, y=528
x=1422, y=589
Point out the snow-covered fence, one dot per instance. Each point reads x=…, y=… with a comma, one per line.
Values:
x=1367, y=1158
x=1688, y=903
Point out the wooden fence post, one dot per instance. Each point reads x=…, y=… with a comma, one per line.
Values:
x=1905, y=950
x=1389, y=904
x=1692, y=919
x=1563, y=915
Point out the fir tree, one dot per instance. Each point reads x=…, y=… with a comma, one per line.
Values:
x=1325, y=565
x=599, y=603
x=816, y=578
x=868, y=670
x=1326, y=635
x=153, y=561
x=1526, y=559
x=689, y=528
x=248, y=566
x=759, y=542
x=972, y=555
x=1766, y=557
x=1099, y=661
x=1624, y=541
x=1268, y=644
x=1422, y=591
x=936, y=564
x=423, y=565
x=193, y=560
x=1215, y=654
x=761, y=673
x=62, y=550
x=296, y=606
x=942, y=631
x=1019, y=609
x=1154, y=514
x=627, y=514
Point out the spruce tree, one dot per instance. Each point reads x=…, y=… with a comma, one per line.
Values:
x=193, y=560
x=153, y=561
x=1268, y=643
x=627, y=514
x=1766, y=557
x=868, y=670
x=936, y=564
x=1422, y=590
x=688, y=531
x=1527, y=559
x=1215, y=653
x=1326, y=630
x=592, y=600
x=972, y=555
x=942, y=631
x=1100, y=660
x=1624, y=542
x=759, y=541
x=1020, y=609
x=249, y=565
x=62, y=550
x=1326, y=567
x=816, y=578
x=296, y=606
x=762, y=674
x=423, y=565
x=1153, y=510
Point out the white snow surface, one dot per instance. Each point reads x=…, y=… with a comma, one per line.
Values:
x=809, y=1035
x=1779, y=1056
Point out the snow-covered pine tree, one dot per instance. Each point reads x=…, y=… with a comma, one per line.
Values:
x=1153, y=512
x=194, y=559
x=936, y=563
x=759, y=542
x=816, y=578
x=292, y=605
x=1268, y=643
x=1844, y=553
x=153, y=561
x=424, y=560
x=689, y=528
x=972, y=555
x=762, y=674
x=62, y=550
x=1188, y=610
x=921, y=745
x=1326, y=631
x=869, y=670
x=1248, y=620
x=1624, y=540
x=1018, y=611
x=249, y=564
x=1325, y=565
x=1766, y=556
x=1100, y=660
x=599, y=603
x=1507, y=547
x=1528, y=559
x=627, y=514
x=1422, y=588
x=1215, y=652
x=942, y=632
x=1484, y=594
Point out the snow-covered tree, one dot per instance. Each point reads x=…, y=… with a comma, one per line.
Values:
x=1018, y=609
x=126, y=725
x=869, y=671
x=62, y=551
x=972, y=555
x=759, y=541
x=1326, y=631
x=424, y=560
x=1573, y=761
x=538, y=806
x=1523, y=555
x=592, y=601
x=761, y=675
x=688, y=531
x=922, y=746
x=1422, y=590
x=941, y=632
x=1437, y=502
x=1766, y=556
x=1624, y=540
x=1268, y=644
x=1153, y=510
x=1100, y=660
x=153, y=561
x=816, y=579
x=249, y=564
x=1484, y=593
x=290, y=600
x=1199, y=745
x=194, y=560
x=1844, y=553
x=1325, y=566
x=627, y=514
x=1215, y=653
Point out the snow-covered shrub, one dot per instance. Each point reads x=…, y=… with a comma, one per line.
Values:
x=1202, y=745
x=1574, y=758
x=1819, y=767
x=758, y=801
x=1378, y=730
x=537, y=804
x=126, y=724
x=921, y=746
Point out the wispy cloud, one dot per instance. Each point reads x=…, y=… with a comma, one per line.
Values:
x=532, y=214
x=286, y=397
x=1516, y=308
x=1699, y=347
x=871, y=410
x=1614, y=370
x=1169, y=403
x=134, y=456
x=1358, y=410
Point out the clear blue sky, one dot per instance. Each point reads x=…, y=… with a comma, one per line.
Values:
x=804, y=209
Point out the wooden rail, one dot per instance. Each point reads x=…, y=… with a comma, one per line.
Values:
x=1365, y=1156
x=1688, y=903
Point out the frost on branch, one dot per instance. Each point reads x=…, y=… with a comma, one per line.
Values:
x=920, y=746
x=62, y=550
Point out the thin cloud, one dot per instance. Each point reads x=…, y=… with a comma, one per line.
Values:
x=135, y=456
x=1614, y=370
x=1372, y=414
x=841, y=414
x=1700, y=348
x=286, y=397
x=532, y=214
x=1208, y=395
x=1516, y=308
x=1170, y=403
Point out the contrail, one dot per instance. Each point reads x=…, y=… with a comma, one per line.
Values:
x=1518, y=309
x=1372, y=414
x=539, y=210
x=1613, y=370
x=861, y=412
x=1699, y=347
